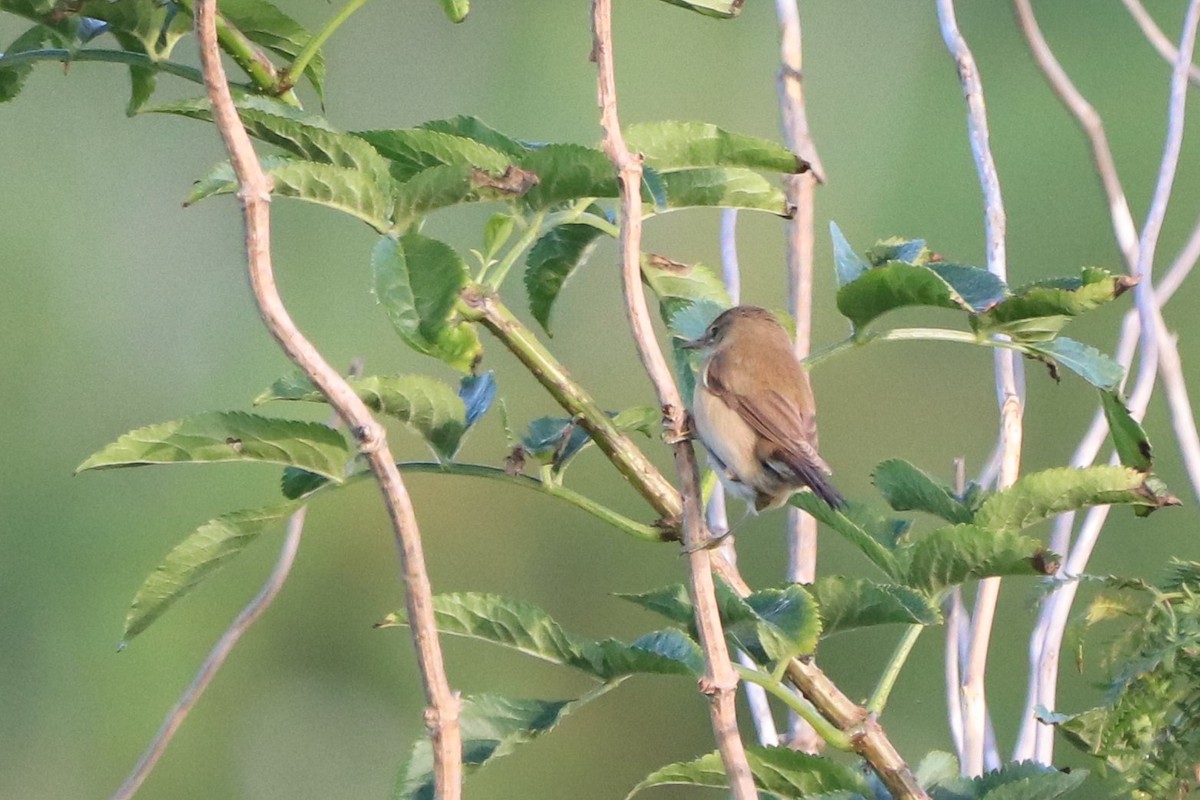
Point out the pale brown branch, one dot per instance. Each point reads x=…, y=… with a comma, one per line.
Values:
x=1165, y=47
x=254, y=194
x=216, y=658
x=720, y=680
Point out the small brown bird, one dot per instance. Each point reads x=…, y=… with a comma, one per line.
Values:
x=753, y=410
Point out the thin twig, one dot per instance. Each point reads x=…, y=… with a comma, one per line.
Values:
x=254, y=193
x=1165, y=47
x=801, y=194
x=720, y=680
x=1008, y=392
x=216, y=657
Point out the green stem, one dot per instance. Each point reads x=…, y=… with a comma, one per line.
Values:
x=248, y=56
x=532, y=231
x=112, y=56
x=910, y=335
x=804, y=709
x=313, y=46
x=480, y=305
x=891, y=672
x=635, y=529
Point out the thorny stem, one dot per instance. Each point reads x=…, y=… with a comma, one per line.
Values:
x=246, y=55
x=720, y=680
x=254, y=193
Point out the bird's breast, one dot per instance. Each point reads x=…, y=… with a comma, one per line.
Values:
x=728, y=439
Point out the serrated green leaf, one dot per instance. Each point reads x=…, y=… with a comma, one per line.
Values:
x=783, y=772
x=264, y=24
x=671, y=601
x=848, y=603
x=771, y=625
x=1058, y=297
x=850, y=523
x=308, y=137
x=557, y=440
x=910, y=251
x=528, y=629
x=1084, y=360
x=671, y=145
x=296, y=483
x=417, y=281
x=1129, y=438
x=347, y=190
x=979, y=288
x=448, y=185
x=196, y=558
x=12, y=79
x=551, y=261
x=567, y=172
x=414, y=150
x=1015, y=781
x=907, y=488
x=1041, y=495
x=679, y=285
x=229, y=436
x=849, y=266
x=497, y=231
x=937, y=767
x=492, y=726
x=456, y=10
x=895, y=285
x=426, y=405
x=724, y=187
x=956, y=553
x=480, y=131
x=721, y=9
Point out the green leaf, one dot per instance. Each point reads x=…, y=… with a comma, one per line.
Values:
x=851, y=524
x=1015, y=781
x=1058, y=297
x=306, y=136
x=673, y=145
x=448, y=185
x=426, y=405
x=567, y=172
x=724, y=187
x=229, y=436
x=154, y=24
x=417, y=281
x=783, y=772
x=477, y=393
x=979, y=288
x=896, y=285
x=497, y=231
x=907, y=488
x=474, y=128
x=848, y=603
x=910, y=251
x=197, y=557
x=1085, y=361
x=556, y=440
x=721, y=9
x=456, y=10
x=551, y=261
x=849, y=265
x=264, y=24
x=1040, y=495
x=492, y=726
x=937, y=767
x=347, y=190
x=772, y=625
x=528, y=629
x=12, y=79
x=1129, y=438
x=414, y=150
x=956, y=553
x=679, y=285
x=296, y=483
x=671, y=601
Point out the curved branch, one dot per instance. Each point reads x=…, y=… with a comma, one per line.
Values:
x=254, y=194
x=216, y=657
x=720, y=680
x=1165, y=47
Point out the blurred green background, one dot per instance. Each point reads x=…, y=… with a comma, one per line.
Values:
x=120, y=308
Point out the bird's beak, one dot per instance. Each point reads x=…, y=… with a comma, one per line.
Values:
x=692, y=344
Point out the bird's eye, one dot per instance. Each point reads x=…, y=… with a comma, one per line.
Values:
x=712, y=332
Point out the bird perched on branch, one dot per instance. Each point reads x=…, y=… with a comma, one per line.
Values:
x=753, y=410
